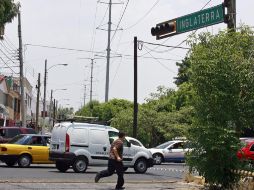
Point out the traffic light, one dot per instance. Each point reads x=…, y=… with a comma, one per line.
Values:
x=165, y=29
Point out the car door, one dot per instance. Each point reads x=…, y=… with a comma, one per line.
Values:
x=38, y=149
x=99, y=146
x=251, y=152
x=174, y=153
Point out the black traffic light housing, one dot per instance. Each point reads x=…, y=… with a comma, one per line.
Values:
x=165, y=29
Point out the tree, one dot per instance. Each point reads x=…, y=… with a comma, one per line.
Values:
x=8, y=10
x=222, y=78
x=183, y=74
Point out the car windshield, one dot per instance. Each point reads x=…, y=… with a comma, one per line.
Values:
x=164, y=145
x=20, y=139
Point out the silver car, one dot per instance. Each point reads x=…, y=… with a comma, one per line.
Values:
x=171, y=151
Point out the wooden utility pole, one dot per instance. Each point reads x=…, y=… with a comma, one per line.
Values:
x=21, y=63
x=135, y=112
x=38, y=86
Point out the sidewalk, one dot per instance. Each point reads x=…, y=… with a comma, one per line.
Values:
x=98, y=186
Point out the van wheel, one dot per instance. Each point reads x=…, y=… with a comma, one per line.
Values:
x=61, y=166
x=24, y=161
x=140, y=166
x=80, y=165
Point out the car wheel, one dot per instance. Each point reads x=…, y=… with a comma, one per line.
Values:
x=10, y=163
x=157, y=158
x=80, y=165
x=24, y=161
x=62, y=167
x=140, y=166
x=125, y=169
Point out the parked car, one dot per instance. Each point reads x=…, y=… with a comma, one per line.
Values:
x=7, y=133
x=26, y=149
x=81, y=144
x=171, y=151
x=247, y=151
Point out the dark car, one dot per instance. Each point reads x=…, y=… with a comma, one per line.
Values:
x=7, y=133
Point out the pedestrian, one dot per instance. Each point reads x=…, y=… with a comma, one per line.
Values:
x=115, y=162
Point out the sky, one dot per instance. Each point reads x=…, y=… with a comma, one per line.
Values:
x=82, y=25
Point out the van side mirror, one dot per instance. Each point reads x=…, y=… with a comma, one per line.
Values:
x=128, y=144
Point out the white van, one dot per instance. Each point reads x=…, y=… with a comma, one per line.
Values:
x=82, y=144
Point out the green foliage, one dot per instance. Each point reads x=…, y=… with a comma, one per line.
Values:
x=222, y=80
x=183, y=74
x=8, y=10
x=64, y=113
x=104, y=111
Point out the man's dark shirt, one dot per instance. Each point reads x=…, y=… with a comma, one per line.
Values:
x=118, y=144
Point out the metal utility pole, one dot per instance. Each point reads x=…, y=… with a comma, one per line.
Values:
x=38, y=103
x=85, y=96
x=91, y=82
x=44, y=96
x=54, y=112
x=135, y=108
x=22, y=101
x=108, y=52
x=50, y=106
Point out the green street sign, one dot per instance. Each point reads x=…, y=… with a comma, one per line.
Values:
x=200, y=19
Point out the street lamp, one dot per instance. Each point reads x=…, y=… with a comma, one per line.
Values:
x=45, y=84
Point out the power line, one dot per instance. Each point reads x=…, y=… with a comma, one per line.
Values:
x=127, y=28
x=180, y=42
x=161, y=63
x=62, y=48
x=179, y=47
x=120, y=19
x=8, y=66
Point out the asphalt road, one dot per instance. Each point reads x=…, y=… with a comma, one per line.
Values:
x=48, y=173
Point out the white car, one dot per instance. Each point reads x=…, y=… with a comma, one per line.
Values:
x=81, y=144
x=171, y=151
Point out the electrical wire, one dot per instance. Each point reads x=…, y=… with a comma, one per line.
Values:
x=180, y=42
x=160, y=62
x=94, y=31
x=8, y=66
x=118, y=24
x=147, y=13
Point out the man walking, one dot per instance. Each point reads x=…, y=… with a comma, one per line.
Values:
x=115, y=162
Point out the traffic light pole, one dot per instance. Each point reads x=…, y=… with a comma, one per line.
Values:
x=135, y=108
x=231, y=14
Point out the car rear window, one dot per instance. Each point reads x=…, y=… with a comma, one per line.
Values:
x=9, y=133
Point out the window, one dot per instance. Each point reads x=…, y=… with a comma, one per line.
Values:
x=112, y=134
x=252, y=148
x=136, y=143
x=178, y=145
x=36, y=141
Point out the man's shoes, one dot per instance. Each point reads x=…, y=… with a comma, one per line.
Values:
x=97, y=178
x=120, y=188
